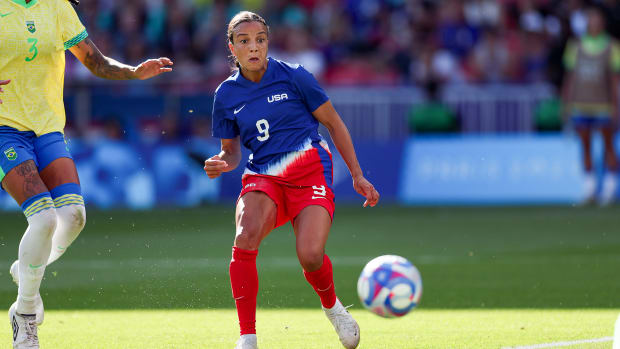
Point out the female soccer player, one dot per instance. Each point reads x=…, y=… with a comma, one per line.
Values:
x=36, y=168
x=274, y=108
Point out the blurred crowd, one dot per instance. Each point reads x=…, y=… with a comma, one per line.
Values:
x=352, y=42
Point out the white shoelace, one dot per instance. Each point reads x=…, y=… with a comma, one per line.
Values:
x=31, y=331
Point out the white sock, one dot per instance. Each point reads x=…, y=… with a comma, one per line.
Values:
x=589, y=185
x=71, y=220
x=610, y=186
x=34, y=250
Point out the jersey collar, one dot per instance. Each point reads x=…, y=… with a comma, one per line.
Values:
x=24, y=4
x=265, y=77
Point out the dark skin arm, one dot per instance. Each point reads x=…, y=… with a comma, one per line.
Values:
x=108, y=68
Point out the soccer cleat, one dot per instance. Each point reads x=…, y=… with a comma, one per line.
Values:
x=347, y=328
x=39, y=310
x=247, y=341
x=24, y=329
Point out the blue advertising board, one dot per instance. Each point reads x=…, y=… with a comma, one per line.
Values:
x=492, y=170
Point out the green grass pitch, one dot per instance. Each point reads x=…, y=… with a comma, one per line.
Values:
x=493, y=278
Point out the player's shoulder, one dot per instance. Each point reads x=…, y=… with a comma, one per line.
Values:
x=60, y=4
x=227, y=87
x=290, y=69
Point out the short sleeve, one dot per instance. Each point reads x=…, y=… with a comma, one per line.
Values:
x=72, y=31
x=221, y=126
x=570, y=55
x=312, y=93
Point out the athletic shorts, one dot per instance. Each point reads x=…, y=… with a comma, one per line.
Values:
x=17, y=147
x=291, y=199
x=590, y=121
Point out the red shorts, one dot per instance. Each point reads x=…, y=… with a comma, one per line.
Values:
x=290, y=199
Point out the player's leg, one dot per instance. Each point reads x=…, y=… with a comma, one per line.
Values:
x=58, y=172
x=62, y=179
x=312, y=226
x=255, y=217
x=610, y=181
x=24, y=184
x=585, y=137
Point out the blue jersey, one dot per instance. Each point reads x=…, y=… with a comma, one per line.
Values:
x=272, y=117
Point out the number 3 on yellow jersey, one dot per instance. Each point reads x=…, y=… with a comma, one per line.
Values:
x=33, y=49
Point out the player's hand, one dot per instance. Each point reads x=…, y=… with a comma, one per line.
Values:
x=3, y=82
x=153, y=67
x=366, y=189
x=214, y=166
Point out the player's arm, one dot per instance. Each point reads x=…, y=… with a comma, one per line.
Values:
x=227, y=160
x=108, y=68
x=327, y=115
x=3, y=82
x=566, y=94
x=615, y=113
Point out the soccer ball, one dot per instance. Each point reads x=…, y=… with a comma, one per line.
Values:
x=390, y=286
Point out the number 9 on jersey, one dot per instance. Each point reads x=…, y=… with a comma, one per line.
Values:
x=263, y=128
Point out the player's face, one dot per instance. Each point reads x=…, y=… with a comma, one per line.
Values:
x=596, y=23
x=250, y=44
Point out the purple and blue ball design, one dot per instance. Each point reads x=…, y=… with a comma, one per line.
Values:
x=390, y=286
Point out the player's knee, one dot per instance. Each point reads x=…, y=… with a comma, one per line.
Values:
x=248, y=235
x=74, y=216
x=311, y=260
x=251, y=228
x=44, y=223
x=247, y=238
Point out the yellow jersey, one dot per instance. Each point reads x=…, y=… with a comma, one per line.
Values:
x=33, y=40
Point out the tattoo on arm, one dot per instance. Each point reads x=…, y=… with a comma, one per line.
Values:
x=102, y=66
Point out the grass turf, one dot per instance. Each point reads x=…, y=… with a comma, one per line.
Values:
x=473, y=259
x=289, y=328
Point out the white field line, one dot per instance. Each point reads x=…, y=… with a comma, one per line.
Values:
x=563, y=344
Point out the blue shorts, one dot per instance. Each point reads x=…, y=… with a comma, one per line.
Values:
x=582, y=121
x=17, y=147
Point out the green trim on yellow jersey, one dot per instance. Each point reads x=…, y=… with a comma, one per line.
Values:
x=76, y=40
x=23, y=3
